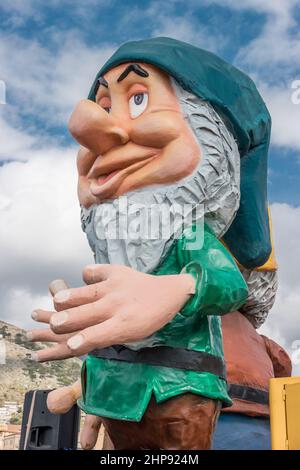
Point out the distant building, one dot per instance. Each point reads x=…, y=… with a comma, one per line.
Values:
x=9, y=436
x=7, y=410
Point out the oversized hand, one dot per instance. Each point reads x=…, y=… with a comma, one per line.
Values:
x=119, y=305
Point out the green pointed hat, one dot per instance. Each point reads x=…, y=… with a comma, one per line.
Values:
x=235, y=97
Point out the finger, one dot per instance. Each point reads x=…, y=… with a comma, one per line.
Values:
x=85, y=161
x=57, y=285
x=46, y=334
x=70, y=298
x=81, y=317
x=60, y=351
x=97, y=272
x=62, y=399
x=42, y=316
x=90, y=431
x=106, y=334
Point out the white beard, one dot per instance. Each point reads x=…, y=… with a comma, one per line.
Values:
x=213, y=190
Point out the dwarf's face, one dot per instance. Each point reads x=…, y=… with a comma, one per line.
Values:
x=133, y=136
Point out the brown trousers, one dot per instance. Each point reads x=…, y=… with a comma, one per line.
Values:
x=185, y=422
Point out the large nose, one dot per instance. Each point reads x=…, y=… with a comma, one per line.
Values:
x=95, y=129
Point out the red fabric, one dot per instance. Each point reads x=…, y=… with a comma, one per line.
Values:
x=251, y=360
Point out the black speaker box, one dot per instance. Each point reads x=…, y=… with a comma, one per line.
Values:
x=42, y=430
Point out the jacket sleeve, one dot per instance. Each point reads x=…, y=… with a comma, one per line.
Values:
x=281, y=361
x=220, y=287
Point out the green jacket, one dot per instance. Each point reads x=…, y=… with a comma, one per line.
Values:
x=187, y=355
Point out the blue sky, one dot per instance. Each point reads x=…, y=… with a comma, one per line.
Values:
x=49, y=54
x=232, y=30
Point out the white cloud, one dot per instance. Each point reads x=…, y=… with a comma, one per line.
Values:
x=41, y=237
x=285, y=114
x=17, y=305
x=18, y=10
x=186, y=29
x=278, y=7
x=48, y=81
x=13, y=141
x=286, y=221
x=278, y=43
x=283, y=323
x=21, y=10
x=276, y=47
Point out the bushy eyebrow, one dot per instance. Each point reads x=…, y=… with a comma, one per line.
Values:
x=100, y=81
x=136, y=68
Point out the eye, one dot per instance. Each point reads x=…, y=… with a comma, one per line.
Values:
x=105, y=103
x=138, y=104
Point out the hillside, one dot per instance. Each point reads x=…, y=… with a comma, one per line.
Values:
x=20, y=374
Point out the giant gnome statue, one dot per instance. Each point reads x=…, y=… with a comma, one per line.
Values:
x=166, y=126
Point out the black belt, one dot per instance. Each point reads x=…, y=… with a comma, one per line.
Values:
x=166, y=356
x=254, y=395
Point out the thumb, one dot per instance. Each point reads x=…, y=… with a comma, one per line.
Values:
x=96, y=273
x=61, y=400
x=90, y=431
